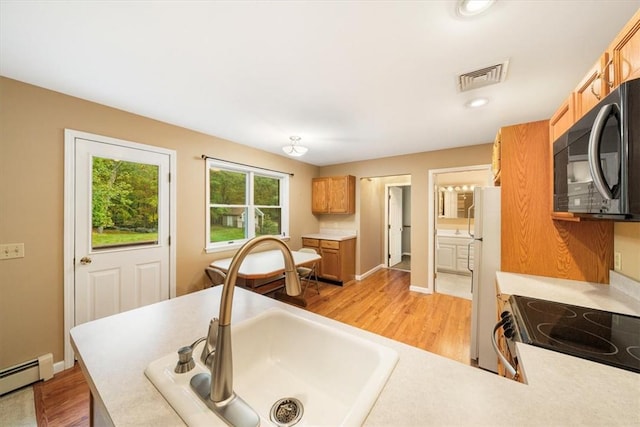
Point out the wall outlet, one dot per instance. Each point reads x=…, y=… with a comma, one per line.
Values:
x=12, y=250
x=617, y=261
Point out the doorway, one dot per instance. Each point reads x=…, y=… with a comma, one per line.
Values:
x=119, y=219
x=397, y=225
x=450, y=223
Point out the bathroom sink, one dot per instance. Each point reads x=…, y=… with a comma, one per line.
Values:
x=335, y=375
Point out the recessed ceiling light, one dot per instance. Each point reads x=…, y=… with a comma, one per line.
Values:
x=473, y=7
x=476, y=103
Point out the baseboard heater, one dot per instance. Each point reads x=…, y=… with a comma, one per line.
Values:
x=26, y=373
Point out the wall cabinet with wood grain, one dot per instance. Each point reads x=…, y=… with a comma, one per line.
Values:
x=333, y=195
x=532, y=242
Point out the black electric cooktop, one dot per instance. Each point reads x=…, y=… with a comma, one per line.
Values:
x=600, y=336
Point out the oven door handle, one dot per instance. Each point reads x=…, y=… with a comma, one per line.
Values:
x=494, y=343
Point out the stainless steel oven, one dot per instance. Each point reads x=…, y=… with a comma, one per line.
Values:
x=600, y=336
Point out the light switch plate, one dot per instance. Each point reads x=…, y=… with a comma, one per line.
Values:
x=12, y=250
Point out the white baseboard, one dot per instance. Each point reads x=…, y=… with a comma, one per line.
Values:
x=58, y=367
x=420, y=289
x=370, y=272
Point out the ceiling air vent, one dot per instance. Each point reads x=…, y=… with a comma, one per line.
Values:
x=483, y=77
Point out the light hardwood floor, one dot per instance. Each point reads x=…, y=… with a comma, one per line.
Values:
x=381, y=303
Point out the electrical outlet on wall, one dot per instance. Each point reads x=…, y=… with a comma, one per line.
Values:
x=617, y=261
x=12, y=250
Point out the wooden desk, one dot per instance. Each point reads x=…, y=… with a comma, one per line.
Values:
x=265, y=265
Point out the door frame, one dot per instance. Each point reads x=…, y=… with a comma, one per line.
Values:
x=431, y=226
x=386, y=217
x=70, y=137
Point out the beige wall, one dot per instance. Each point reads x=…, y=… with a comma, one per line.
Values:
x=626, y=240
x=32, y=123
x=417, y=167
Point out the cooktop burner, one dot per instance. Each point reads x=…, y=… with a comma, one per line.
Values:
x=600, y=336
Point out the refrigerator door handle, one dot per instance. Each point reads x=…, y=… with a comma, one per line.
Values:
x=469, y=263
x=469, y=220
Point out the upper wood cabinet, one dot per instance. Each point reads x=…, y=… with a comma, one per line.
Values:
x=625, y=52
x=619, y=63
x=532, y=243
x=594, y=86
x=333, y=195
x=495, y=159
x=562, y=119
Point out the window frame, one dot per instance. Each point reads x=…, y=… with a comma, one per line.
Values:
x=251, y=173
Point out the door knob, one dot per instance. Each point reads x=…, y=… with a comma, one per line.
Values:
x=85, y=260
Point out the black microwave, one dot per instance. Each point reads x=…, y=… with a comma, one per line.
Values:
x=596, y=163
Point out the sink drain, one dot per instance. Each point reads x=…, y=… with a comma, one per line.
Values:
x=286, y=412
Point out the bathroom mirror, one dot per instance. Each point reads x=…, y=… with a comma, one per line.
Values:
x=454, y=204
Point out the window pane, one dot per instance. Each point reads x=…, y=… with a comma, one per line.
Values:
x=268, y=221
x=227, y=187
x=124, y=203
x=228, y=224
x=266, y=191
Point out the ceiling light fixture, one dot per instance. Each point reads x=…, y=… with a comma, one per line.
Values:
x=473, y=7
x=478, y=102
x=294, y=149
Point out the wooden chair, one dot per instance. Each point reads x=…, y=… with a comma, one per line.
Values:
x=216, y=277
x=307, y=273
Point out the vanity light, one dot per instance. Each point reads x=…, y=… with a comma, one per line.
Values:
x=468, y=8
x=294, y=149
x=476, y=103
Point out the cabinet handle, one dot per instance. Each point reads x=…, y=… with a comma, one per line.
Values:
x=599, y=77
x=597, y=95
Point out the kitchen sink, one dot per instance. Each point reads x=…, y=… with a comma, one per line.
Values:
x=335, y=375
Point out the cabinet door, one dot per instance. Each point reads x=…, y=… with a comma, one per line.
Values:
x=446, y=257
x=319, y=193
x=593, y=87
x=562, y=119
x=625, y=52
x=330, y=266
x=342, y=194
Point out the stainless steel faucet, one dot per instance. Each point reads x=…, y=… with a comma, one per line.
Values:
x=216, y=389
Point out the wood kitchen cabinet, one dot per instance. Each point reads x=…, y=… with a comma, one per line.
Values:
x=338, y=262
x=624, y=52
x=333, y=195
x=594, y=86
x=619, y=63
x=562, y=119
x=532, y=242
x=495, y=159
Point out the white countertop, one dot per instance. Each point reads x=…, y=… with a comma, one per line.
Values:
x=585, y=294
x=336, y=234
x=424, y=388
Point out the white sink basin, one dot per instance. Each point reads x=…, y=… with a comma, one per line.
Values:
x=337, y=376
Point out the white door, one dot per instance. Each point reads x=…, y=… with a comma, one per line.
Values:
x=122, y=209
x=395, y=225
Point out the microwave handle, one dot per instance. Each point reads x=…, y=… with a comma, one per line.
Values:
x=503, y=359
x=594, y=151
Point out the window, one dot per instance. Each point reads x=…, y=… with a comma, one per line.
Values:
x=244, y=202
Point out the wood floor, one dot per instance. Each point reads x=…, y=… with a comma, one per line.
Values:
x=381, y=303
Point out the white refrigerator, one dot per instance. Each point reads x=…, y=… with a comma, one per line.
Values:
x=486, y=261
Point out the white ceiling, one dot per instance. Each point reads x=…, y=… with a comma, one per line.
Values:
x=355, y=79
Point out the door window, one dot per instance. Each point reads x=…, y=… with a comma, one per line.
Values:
x=124, y=203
